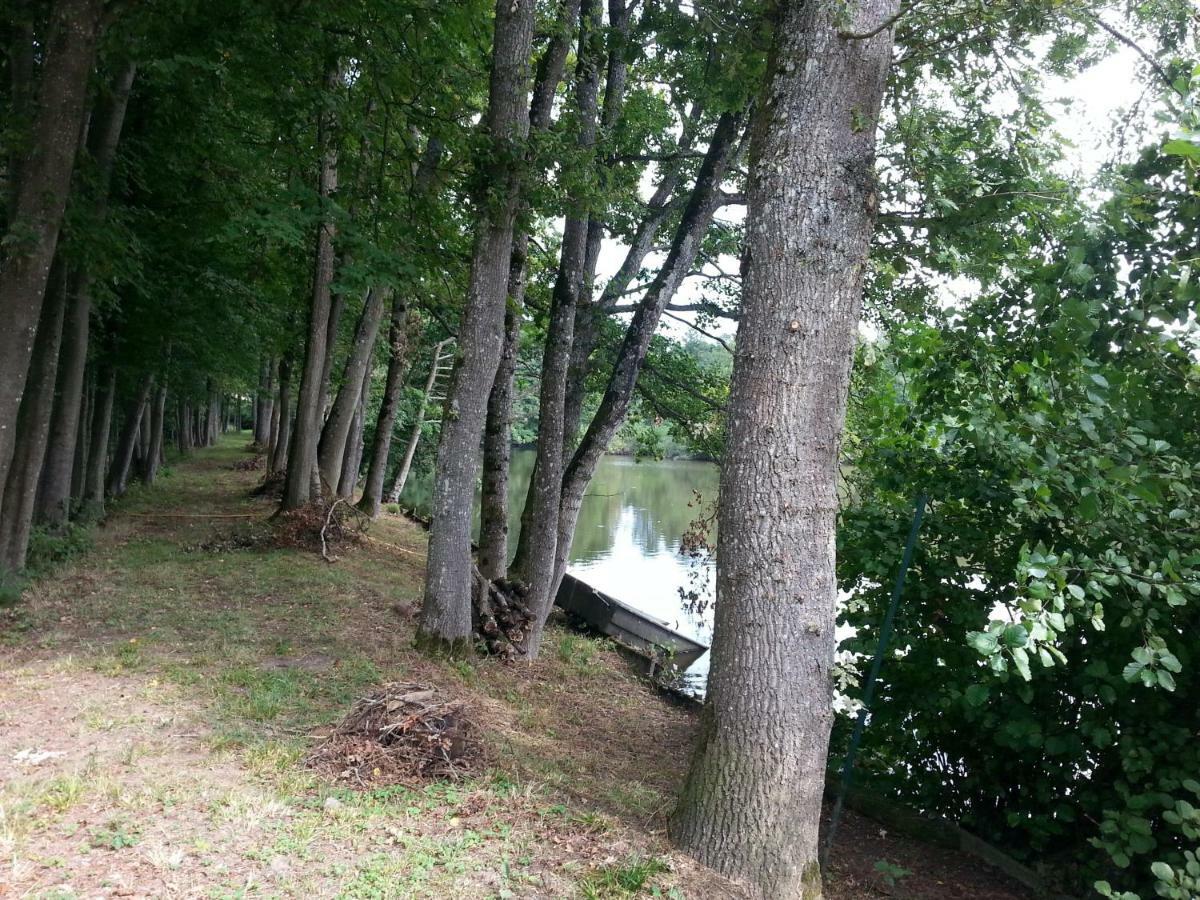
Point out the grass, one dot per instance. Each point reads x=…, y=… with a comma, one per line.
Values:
x=186, y=742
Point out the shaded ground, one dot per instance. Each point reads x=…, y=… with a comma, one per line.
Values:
x=158, y=695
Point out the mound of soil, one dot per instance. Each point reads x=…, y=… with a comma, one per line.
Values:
x=401, y=733
x=253, y=464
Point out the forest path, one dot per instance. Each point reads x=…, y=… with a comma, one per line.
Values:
x=158, y=694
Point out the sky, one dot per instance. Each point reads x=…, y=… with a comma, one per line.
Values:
x=1091, y=104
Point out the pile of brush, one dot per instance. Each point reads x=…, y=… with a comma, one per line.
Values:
x=401, y=733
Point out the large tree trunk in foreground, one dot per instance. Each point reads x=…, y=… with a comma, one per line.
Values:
x=97, y=456
x=446, y=611
x=539, y=520
x=338, y=427
x=306, y=431
x=33, y=427
x=381, y=445
x=497, y=438
x=752, y=802
x=54, y=489
x=40, y=199
x=118, y=476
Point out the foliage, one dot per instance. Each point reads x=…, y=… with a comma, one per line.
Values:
x=1043, y=693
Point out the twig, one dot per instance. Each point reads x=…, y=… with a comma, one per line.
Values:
x=882, y=26
x=328, y=519
x=192, y=515
x=1154, y=64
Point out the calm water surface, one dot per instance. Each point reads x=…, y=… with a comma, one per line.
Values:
x=627, y=540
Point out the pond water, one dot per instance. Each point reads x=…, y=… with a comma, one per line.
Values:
x=627, y=541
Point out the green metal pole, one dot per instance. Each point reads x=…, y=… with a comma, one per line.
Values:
x=885, y=635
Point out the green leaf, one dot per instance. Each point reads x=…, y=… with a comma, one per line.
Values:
x=977, y=694
x=1021, y=661
x=1016, y=636
x=983, y=641
x=1165, y=679
x=1076, y=591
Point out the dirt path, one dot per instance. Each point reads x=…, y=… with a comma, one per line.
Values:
x=158, y=695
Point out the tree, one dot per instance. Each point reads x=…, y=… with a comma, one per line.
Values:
x=752, y=801
x=446, y=610
x=40, y=198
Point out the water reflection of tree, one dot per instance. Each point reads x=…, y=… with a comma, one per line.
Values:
x=657, y=493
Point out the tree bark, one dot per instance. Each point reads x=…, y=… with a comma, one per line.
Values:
x=82, y=439
x=352, y=458
x=118, y=476
x=539, y=519
x=40, y=199
x=97, y=461
x=338, y=426
x=55, y=488
x=306, y=431
x=587, y=317
x=385, y=424
x=497, y=441
x=497, y=449
x=33, y=427
x=263, y=402
x=752, y=802
x=446, y=610
x=158, y=408
x=279, y=456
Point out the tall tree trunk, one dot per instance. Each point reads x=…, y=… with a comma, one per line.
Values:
x=33, y=426
x=446, y=610
x=332, y=448
x=82, y=440
x=55, y=487
x=497, y=441
x=752, y=802
x=118, y=476
x=539, y=519
x=40, y=199
x=497, y=449
x=158, y=408
x=306, y=432
x=381, y=445
x=264, y=400
x=273, y=441
x=587, y=316
x=352, y=458
x=279, y=457
x=97, y=461
x=438, y=367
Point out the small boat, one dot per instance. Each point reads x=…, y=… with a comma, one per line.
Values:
x=643, y=634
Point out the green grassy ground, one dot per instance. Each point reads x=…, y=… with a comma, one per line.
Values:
x=176, y=755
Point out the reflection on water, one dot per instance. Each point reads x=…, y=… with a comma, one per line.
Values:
x=627, y=540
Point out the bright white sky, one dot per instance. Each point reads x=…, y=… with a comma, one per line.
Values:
x=1093, y=102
